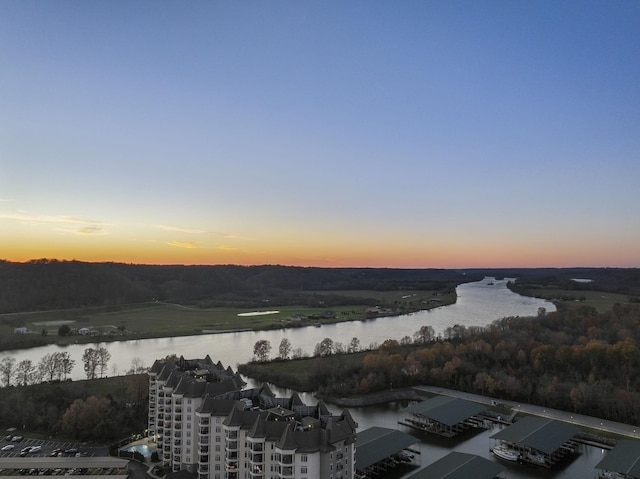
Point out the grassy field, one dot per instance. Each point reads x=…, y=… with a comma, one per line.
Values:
x=155, y=319
x=602, y=301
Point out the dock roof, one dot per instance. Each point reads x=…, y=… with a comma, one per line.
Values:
x=446, y=410
x=459, y=465
x=378, y=443
x=543, y=434
x=624, y=458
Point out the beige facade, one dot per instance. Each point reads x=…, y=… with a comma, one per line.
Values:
x=204, y=421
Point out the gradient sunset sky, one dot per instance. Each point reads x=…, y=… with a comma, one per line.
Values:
x=327, y=133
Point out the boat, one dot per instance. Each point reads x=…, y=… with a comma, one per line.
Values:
x=506, y=453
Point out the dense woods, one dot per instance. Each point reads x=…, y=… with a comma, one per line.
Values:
x=574, y=359
x=100, y=410
x=50, y=284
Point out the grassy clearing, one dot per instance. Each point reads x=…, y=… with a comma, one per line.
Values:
x=600, y=300
x=154, y=319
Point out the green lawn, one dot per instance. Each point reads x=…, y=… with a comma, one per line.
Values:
x=602, y=301
x=155, y=319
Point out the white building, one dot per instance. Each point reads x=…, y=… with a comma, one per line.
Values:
x=204, y=422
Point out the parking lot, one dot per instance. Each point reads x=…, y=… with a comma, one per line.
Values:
x=49, y=448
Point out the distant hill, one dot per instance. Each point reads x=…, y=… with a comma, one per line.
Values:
x=40, y=285
x=44, y=284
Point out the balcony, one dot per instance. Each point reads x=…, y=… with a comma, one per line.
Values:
x=203, y=469
x=257, y=458
x=256, y=446
x=231, y=465
x=231, y=434
x=286, y=471
x=204, y=431
x=256, y=472
x=286, y=459
x=231, y=446
x=203, y=459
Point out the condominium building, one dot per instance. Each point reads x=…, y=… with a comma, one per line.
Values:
x=205, y=422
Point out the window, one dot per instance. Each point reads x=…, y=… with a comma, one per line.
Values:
x=303, y=469
x=303, y=458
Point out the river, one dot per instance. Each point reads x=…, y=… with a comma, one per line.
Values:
x=478, y=304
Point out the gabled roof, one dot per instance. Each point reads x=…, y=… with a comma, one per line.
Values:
x=459, y=465
x=378, y=443
x=446, y=410
x=216, y=407
x=624, y=458
x=540, y=433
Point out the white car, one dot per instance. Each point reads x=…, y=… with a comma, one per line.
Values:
x=35, y=449
x=8, y=447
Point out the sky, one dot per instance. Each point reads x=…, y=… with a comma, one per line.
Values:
x=411, y=134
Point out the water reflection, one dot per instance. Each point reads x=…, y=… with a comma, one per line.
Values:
x=479, y=303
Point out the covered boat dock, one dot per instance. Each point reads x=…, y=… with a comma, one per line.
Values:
x=459, y=465
x=536, y=440
x=380, y=449
x=444, y=415
x=622, y=461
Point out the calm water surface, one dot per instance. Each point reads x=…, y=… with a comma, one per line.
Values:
x=478, y=304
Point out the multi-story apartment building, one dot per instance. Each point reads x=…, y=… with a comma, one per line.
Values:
x=204, y=421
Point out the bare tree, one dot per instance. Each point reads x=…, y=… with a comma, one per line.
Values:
x=285, y=348
x=7, y=368
x=90, y=360
x=103, y=357
x=137, y=366
x=324, y=348
x=261, y=350
x=66, y=365
x=25, y=372
x=354, y=345
x=424, y=335
x=48, y=366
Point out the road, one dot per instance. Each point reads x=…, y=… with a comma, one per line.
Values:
x=618, y=428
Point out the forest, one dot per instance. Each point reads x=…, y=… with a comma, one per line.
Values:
x=575, y=359
x=97, y=411
x=44, y=284
x=47, y=284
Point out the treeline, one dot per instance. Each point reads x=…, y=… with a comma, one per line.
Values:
x=576, y=360
x=45, y=284
x=99, y=410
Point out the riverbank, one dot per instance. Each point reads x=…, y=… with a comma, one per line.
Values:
x=381, y=397
x=166, y=320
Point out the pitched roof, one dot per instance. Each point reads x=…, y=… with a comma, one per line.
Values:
x=540, y=433
x=377, y=443
x=446, y=410
x=624, y=458
x=459, y=465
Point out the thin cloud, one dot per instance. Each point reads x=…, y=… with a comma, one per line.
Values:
x=84, y=231
x=180, y=230
x=183, y=244
x=219, y=234
x=91, y=230
x=49, y=219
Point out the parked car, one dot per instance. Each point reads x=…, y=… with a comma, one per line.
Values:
x=17, y=438
x=33, y=449
x=71, y=450
x=8, y=447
